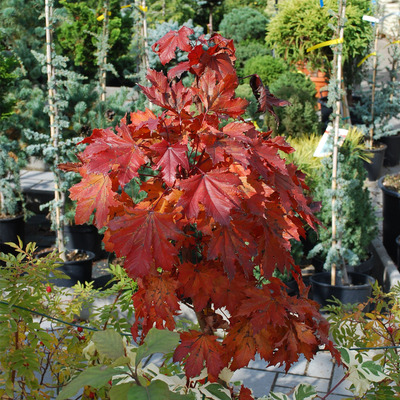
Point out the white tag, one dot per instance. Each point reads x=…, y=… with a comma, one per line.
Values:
x=325, y=145
x=370, y=18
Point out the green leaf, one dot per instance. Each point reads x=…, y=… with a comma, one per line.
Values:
x=157, y=341
x=217, y=391
x=278, y=396
x=120, y=392
x=96, y=377
x=372, y=371
x=155, y=391
x=304, y=392
x=109, y=344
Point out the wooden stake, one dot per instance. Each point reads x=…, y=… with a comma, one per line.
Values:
x=54, y=129
x=374, y=69
x=342, y=13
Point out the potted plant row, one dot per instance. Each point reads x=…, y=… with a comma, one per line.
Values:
x=390, y=186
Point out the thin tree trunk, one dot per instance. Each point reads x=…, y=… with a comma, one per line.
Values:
x=342, y=13
x=54, y=129
x=374, y=70
x=103, y=62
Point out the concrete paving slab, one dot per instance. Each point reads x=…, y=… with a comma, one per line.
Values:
x=342, y=389
x=259, y=381
x=300, y=367
x=321, y=366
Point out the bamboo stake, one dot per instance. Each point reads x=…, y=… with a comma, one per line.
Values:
x=54, y=129
x=341, y=19
x=103, y=71
x=374, y=69
x=145, y=44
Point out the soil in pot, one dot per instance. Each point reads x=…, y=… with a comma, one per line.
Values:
x=78, y=267
x=85, y=237
x=374, y=167
x=359, y=290
x=390, y=186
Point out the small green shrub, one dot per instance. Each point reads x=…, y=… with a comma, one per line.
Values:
x=301, y=116
x=268, y=68
x=243, y=24
x=246, y=50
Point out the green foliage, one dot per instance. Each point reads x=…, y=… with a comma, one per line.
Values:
x=356, y=221
x=173, y=10
x=22, y=33
x=244, y=24
x=301, y=117
x=300, y=24
x=78, y=35
x=247, y=50
x=267, y=67
x=31, y=347
x=11, y=160
x=375, y=374
x=261, y=5
x=8, y=65
x=386, y=101
x=303, y=157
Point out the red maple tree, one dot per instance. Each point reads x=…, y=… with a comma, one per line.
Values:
x=220, y=202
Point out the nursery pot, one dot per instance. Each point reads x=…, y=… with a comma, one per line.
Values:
x=391, y=218
x=78, y=271
x=392, y=153
x=358, y=291
x=398, y=250
x=10, y=229
x=374, y=167
x=85, y=237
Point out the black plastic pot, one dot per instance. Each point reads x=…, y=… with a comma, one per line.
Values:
x=358, y=292
x=392, y=154
x=366, y=266
x=374, y=168
x=78, y=271
x=391, y=218
x=85, y=237
x=10, y=229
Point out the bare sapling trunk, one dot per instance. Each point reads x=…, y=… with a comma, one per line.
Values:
x=338, y=107
x=54, y=130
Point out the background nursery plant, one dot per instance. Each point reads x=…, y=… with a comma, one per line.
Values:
x=196, y=199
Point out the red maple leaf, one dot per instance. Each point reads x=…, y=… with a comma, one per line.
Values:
x=240, y=345
x=198, y=350
x=143, y=237
x=110, y=152
x=216, y=190
x=166, y=46
x=266, y=100
x=155, y=303
x=245, y=394
x=93, y=192
x=174, y=97
x=171, y=157
x=232, y=245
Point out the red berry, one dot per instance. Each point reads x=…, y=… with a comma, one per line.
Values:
x=91, y=395
x=48, y=289
x=82, y=337
x=41, y=343
x=79, y=329
x=110, y=382
x=390, y=329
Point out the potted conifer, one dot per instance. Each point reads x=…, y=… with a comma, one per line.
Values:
x=11, y=159
x=343, y=211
